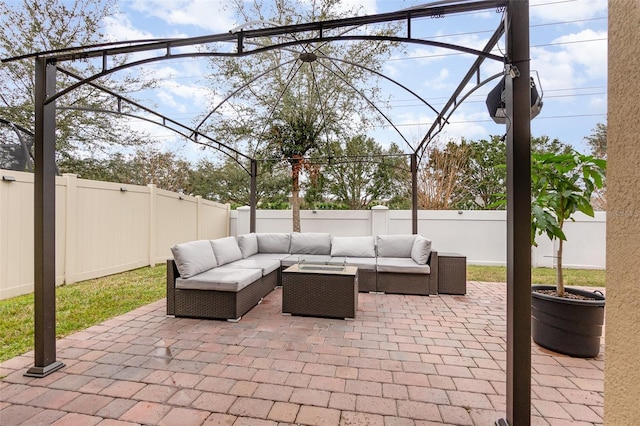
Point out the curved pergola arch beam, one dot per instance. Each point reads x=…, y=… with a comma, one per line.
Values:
x=374, y=106
x=240, y=89
x=432, y=10
x=195, y=134
x=107, y=71
x=453, y=101
x=24, y=146
x=191, y=137
x=386, y=77
x=437, y=131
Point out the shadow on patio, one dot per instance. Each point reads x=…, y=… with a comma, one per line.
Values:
x=404, y=360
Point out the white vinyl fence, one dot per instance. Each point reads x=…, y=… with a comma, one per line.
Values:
x=480, y=235
x=105, y=228
x=101, y=228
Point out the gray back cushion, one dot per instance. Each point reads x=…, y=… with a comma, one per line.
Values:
x=193, y=257
x=273, y=242
x=395, y=245
x=226, y=250
x=248, y=244
x=310, y=243
x=353, y=246
x=421, y=250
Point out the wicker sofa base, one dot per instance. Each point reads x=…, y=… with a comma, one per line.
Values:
x=367, y=281
x=403, y=283
x=213, y=304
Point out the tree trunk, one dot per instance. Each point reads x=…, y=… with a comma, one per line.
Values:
x=559, y=279
x=295, y=195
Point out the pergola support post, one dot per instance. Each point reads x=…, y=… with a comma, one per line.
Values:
x=253, y=196
x=44, y=223
x=518, y=104
x=414, y=193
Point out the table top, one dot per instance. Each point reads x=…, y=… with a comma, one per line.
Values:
x=449, y=254
x=311, y=268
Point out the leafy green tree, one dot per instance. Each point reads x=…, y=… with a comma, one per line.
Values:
x=597, y=141
x=561, y=185
x=164, y=169
x=479, y=180
x=230, y=183
x=364, y=173
x=30, y=26
x=289, y=103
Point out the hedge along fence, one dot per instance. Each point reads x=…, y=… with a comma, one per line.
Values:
x=102, y=228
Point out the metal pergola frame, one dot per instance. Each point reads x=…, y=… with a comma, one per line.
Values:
x=515, y=27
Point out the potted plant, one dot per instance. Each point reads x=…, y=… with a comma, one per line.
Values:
x=565, y=320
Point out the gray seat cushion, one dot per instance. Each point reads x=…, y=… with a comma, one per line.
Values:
x=194, y=257
x=395, y=245
x=401, y=265
x=248, y=244
x=421, y=250
x=226, y=250
x=273, y=242
x=353, y=246
x=266, y=265
x=310, y=243
x=363, y=263
x=276, y=256
x=220, y=279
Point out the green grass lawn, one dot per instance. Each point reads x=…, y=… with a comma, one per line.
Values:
x=81, y=305
x=579, y=277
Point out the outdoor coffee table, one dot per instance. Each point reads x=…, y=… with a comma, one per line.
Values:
x=320, y=290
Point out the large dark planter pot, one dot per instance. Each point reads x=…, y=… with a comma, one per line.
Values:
x=568, y=326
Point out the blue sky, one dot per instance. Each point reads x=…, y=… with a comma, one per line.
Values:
x=568, y=51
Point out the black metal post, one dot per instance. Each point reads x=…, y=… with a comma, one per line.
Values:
x=44, y=223
x=414, y=193
x=518, y=103
x=252, y=196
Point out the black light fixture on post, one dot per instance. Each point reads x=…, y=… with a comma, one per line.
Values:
x=496, y=101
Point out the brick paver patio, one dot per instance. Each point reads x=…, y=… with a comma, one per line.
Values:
x=404, y=360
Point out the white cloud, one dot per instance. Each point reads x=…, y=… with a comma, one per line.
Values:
x=592, y=55
x=119, y=28
x=573, y=64
x=360, y=7
x=563, y=10
x=441, y=82
x=211, y=15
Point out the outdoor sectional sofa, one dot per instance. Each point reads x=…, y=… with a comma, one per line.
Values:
x=226, y=277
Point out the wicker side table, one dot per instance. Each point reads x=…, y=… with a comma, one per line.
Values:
x=452, y=273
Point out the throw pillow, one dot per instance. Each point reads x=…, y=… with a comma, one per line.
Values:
x=353, y=247
x=395, y=245
x=273, y=242
x=248, y=244
x=421, y=250
x=226, y=250
x=310, y=243
x=193, y=257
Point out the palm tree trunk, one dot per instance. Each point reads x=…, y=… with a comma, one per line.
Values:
x=295, y=195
